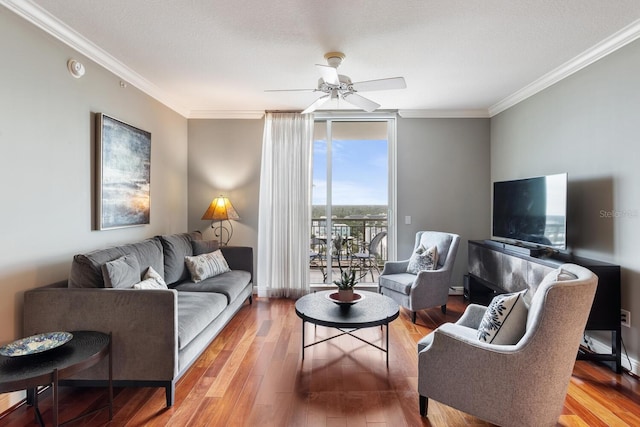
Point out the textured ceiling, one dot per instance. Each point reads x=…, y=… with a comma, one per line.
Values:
x=456, y=55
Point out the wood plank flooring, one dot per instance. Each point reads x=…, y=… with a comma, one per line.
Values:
x=252, y=374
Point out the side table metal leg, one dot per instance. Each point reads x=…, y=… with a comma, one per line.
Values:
x=55, y=398
x=36, y=411
x=303, y=340
x=387, y=345
x=110, y=379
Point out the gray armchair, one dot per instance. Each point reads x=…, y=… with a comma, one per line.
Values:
x=523, y=384
x=429, y=288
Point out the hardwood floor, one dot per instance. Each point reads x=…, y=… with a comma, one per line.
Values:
x=252, y=374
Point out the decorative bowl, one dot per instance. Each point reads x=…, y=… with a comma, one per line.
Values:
x=334, y=297
x=35, y=344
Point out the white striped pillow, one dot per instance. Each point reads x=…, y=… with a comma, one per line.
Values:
x=206, y=265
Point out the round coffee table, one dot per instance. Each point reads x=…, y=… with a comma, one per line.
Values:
x=373, y=310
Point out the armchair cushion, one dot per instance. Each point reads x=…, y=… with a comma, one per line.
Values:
x=423, y=259
x=401, y=282
x=505, y=320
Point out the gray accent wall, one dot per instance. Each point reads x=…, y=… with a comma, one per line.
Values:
x=443, y=182
x=46, y=162
x=587, y=125
x=224, y=158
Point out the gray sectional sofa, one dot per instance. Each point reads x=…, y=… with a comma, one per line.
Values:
x=156, y=333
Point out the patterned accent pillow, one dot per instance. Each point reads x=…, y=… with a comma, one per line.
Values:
x=423, y=259
x=206, y=265
x=505, y=320
x=122, y=272
x=151, y=280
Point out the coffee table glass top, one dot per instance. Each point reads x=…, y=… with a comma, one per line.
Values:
x=375, y=309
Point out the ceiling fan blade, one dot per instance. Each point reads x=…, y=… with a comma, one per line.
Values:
x=329, y=74
x=380, y=84
x=360, y=101
x=291, y=90
x=317, y=103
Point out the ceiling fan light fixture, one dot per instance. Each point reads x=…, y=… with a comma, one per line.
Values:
x=334, y=59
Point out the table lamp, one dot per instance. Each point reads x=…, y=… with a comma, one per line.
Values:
x=221, y=210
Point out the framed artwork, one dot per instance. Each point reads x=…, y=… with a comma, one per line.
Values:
x=123, y=174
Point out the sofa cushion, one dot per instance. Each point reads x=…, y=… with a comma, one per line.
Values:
x=196, y=310
x=505, y=320
x=206, y=265
x=230, y=284
x=204, y=246
x=398, y=282
x=176, y=247
x=86, y=269
x=122, y=272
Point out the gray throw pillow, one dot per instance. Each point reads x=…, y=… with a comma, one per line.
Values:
x=122, y=272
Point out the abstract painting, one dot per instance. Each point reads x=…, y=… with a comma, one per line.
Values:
x=123, y=174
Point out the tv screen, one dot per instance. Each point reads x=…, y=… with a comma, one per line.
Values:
x=532, y=210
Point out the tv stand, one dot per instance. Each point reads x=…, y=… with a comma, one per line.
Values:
x=495, y=268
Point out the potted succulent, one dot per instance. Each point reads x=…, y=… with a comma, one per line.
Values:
x=345, y=285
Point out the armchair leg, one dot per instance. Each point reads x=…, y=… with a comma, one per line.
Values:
x=424, y=404
x=444, y=308
x=413, y=316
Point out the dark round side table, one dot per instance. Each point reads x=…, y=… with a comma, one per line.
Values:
x=28, y=372
x=374, y=310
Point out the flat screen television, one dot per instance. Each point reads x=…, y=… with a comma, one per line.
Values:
x=532, y=211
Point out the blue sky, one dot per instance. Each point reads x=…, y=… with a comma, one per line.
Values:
x=360, y=172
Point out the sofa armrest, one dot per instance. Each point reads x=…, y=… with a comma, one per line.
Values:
x=239, y=258
x=143, y=323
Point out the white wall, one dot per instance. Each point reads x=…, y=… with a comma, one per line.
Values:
x=46, y=162
x=587, y=125
x=443, y=182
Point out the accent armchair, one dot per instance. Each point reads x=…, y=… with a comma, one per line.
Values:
x=521, y=384
x=428, y=288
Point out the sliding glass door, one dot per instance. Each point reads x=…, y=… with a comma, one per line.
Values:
x=352, y=197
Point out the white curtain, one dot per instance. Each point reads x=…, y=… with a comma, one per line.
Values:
x=285, y=206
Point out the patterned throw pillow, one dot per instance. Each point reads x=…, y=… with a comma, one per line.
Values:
x=505, y=320
x=423, y=259
x=122, y=272
x=151, y=280
x=206, y=265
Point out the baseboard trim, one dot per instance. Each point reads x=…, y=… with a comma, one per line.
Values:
x=598, y=346
x=456, y=290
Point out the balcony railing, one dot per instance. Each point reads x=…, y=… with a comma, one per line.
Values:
x=349, y=235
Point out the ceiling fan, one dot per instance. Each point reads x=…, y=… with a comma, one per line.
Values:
x=338, y=86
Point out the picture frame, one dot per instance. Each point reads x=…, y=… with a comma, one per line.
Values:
x=123, y=174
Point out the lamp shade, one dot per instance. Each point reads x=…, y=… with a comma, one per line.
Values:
x=220, y=209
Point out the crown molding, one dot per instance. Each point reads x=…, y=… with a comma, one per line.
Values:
x=609, y=45
x=225, y=114
x=443, y=114
x=42, y=19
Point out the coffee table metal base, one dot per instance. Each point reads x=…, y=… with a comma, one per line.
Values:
x=350, y=333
